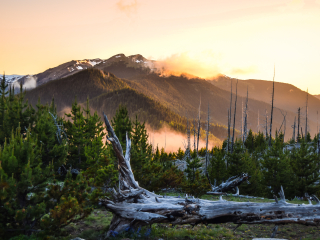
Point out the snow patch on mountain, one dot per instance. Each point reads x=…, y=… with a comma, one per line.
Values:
x=12, y=78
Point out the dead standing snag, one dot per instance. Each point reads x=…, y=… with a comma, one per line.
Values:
x=133, y=206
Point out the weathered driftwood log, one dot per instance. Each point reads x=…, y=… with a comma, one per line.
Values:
x=231, y=184
x=133, y=206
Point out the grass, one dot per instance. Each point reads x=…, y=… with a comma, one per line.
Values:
x=97, y=223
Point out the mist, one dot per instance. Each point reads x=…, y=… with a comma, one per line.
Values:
x=29, y=82
x=184, y=64
x=171, y=140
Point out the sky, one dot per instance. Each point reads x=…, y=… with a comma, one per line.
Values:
x=244, y=39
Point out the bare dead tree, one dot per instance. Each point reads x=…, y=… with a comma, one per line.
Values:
x=294, y=130
x=188, y=133
x=274, y=73
x=199, y=125
x=234, y=117
x=298, y=136
x=194, y=135
x=306, y=129
x=228, y=139
x=317, y=123
x=258, y=127
x=241, y=132
x=245, y=125
x=266, y=124
x=207, y=143
x=319, y=142
x=229, y=118
x=133, y=206
x=284, y=114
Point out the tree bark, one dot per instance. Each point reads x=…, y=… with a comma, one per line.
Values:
x=133, y=206
x=230, y=184
x=234, y=117
x=272, y=108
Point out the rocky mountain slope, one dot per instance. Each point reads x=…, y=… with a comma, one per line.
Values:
x=178, y=93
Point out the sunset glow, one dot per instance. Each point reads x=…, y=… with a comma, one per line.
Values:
x=243, y=39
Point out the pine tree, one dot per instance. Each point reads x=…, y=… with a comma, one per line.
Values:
x=141, y=151
x=15, y=112
x=82, y=130
x=75, y=130
x=217, y=167
x=196, y=184
x=122, y=124
x=52, y=150
x=276, y=170
x=305, y=165
x=29, y=191
x=3, y=93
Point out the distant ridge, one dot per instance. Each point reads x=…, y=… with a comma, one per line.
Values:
x=180, y=94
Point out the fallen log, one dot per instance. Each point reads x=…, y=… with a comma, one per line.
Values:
x=231, y=184
x=133, y=206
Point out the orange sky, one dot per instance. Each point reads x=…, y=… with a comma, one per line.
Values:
x=204, y=37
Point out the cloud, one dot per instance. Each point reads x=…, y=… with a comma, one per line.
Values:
x=293, y=5
x=177, y=64
x=244, y=71
x=30, y=82
x=128, y=6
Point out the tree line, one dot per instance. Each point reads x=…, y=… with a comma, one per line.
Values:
x=53, y=170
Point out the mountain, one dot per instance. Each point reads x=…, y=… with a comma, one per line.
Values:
x=180, y=94
x=63, y=70
x=75, y=66
x=286, y=97
x=12, y=78
x=105, y=92
x=317, y=96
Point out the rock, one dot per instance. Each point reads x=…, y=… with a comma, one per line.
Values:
x=77, y=238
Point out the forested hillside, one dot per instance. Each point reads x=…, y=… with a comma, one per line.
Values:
x=105, y=91
x=286, y=97
x=181, y=94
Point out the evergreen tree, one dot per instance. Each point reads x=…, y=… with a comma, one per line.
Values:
x=180, y=154
x=81, y=131
x=75, y=130
x=196, y=184
x=217, y=166
x=14, y=111
x=53, y=151
x=29, y=191
x=122, y=124
x=3, y=93
x=305, y=165
x=276, y=170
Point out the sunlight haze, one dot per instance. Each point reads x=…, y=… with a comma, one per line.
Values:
x=242, y=39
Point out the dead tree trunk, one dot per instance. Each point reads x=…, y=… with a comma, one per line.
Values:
x=194, y=134
x=306, y=129
x=133, y=206
x=274, y=72
x=294, y=130
x=228, y=139
x=298, y=136
x=266, y=125
x=319, y=142
x=199, y=124
x=231, y=184
x=229, y=120
x=245, y=125
x=234, y=118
